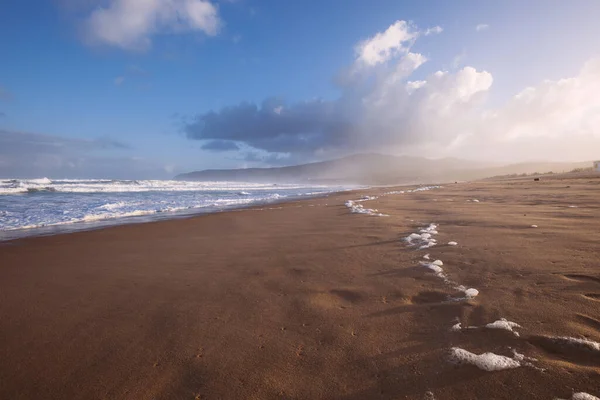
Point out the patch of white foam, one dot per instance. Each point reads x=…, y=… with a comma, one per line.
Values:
x=357, y=208
x=439, y=271
x=475, y=201
x=572, y=206
x=583, y=396
x=502, y=323
x=419, y=189
x=505, y=324
x=41, y=181
x=534, y=226
x=395, y=192
x=452, y=244
x=114, y=206
x=423, y=188
x=429, y=396
x=366, y=198
x=469, y=293
x=456, y=327
x=424, y=239
x=486, y=361
x=524, y=360
x=584, y=343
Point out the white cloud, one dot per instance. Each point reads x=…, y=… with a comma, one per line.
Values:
x=384, y=108
x=385, y=45
x=130, y=24
x=411, y=86
x=447, y=113
x=119, y=80
x=566, y=108
x=433, y=31
x=482, y=27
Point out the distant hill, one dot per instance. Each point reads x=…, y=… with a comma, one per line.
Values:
x=376, y=169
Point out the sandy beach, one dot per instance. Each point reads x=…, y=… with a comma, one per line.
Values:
x=307, y=300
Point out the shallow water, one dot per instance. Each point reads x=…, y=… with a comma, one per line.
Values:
x=41, y=206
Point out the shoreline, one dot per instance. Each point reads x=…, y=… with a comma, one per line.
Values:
x=310, y=300
x=83, y=226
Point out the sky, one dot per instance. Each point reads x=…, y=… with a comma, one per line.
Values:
x=150, y=88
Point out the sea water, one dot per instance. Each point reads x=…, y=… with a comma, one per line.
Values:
x=45, y=206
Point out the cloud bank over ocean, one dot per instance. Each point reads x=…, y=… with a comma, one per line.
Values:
x=382, y=108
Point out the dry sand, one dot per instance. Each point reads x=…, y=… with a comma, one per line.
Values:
x=308, y=301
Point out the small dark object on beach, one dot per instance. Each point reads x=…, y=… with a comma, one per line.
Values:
x=536, y=179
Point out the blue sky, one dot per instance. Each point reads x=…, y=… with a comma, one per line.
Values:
x=159, y=82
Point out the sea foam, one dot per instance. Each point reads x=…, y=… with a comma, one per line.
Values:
x=486, y=361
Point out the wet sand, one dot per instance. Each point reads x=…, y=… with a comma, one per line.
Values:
x=306, y=300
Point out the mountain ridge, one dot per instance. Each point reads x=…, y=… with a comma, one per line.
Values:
x=371, y=168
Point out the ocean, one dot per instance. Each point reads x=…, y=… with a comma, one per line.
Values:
x=30, y=207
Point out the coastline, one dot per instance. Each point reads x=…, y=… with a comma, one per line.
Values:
x=308, y=300
x=81, y=226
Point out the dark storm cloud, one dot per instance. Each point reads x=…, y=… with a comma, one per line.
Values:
x=220, y=145
x=274, y=126
x=276, y=159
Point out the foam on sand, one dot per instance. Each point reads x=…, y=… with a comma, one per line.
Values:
x=534, y=226
x=424, y=239
x=469, y=293
x=502, y=323
x=486, y=361
x=505, y=324
x=357, y=208
x=419, y=189
x=452, y=244
x=435, y=267
x=581, y=396
x=584, y=344
x=367, y=198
